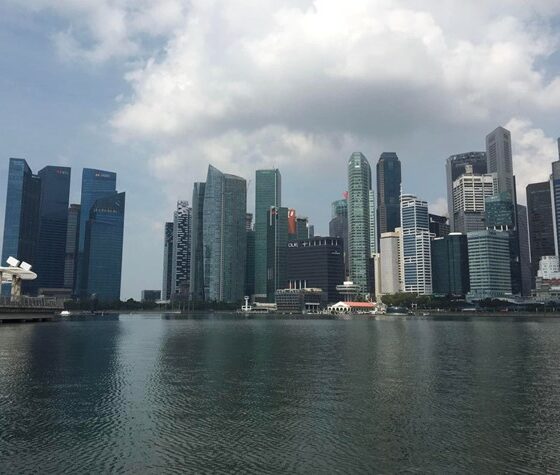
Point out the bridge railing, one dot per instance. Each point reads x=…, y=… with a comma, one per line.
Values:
x=24, y=301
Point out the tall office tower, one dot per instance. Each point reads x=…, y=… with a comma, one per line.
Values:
x=359, y=187
x=21, y=222
x=390, y=246
x=96, y=184
x=197, y=245
x=455, y=166
x=70, y=259
x=469, y=193
x=277, y=251
x=489, y=264
x=292, y=225
x=181, y=266
x=388, y=192
x=450, y=265
x=302, y=227
x=439, y=226
x=416, y=245
x=338, y=226
x=372, y=224
x=524, y=252
x=103, y=248
x=224, y=236
x=250, y=265
x=501, y=216
x=53, y=224
x=555, y=199
x=316, y=263
x=310, y=230
x=268, y=193
x=541, y=232
x=499, y=161
x=167, y=261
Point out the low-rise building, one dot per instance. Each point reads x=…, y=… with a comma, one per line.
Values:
x=300, y=300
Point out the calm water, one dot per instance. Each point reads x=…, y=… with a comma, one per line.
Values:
x=152, y=395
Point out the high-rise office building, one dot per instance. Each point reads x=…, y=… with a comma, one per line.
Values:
x=224, y=236
x=372, y=224
x=268, y=193
x=302, y=227
x=524, y=251
x=450, y=265
x=181, y=265
x=555, y=201
x=103, y=248
x=388, y=192
x=96, y=184
x=338, y=226
x=541, y=232
x=277, y=251
x=70, y=260
x=339, y=208
x=359, y=251
x=53, y=227
x=250, y=266
x=489, y=264
x=416, y=249
x=197, y=246
x=316, y=263
x=439, y=225
x=455, y=166
x=469, y=193
x=21, y=221
x=167, y=261
x=499, y=159
x=391, y=274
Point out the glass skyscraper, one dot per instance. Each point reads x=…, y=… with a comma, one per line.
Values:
x=96, y=184
x=167, y=261
x=388, y=193
x=359, y=246
x=21, y=221
x=541, y=232
x=103, y=246
x=499, y=159
x=71, y=246
x=53, y=224
x=224, y=236
x=338, y=227
x=555, y=201
x=181, y=261
x=197, y=248
x=450, y=265
x=277, y=251
x=268, y=193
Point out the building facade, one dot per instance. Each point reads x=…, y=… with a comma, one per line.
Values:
x=450, y=265
x=70, y=259
x=338, y=226
x=555, y=201
x=277, y=251
x=391, y=263
x=416, y=247
x=359, y=249
x=224, y=236
x=268, y=193
x=388, y=192
x=439, y=225
x=316, y=263
x=181, y=260
x=197, y=247
x=167, y=261
x=499, y=159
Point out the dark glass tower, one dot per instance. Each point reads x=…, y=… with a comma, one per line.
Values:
x=450, y=265
x=268, y=192
x=96, y=184
x=71, y=246
x=167, y=261
x=103, y=247
x=541, y=231
x=388, y=193
x=224, y=236
x=21, y=221
x=197, y=248
x=53, y=224
x=181, y=261
x=338, y=226
x=277, y=251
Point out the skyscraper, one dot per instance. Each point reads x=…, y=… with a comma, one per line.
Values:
x=181, y=263
x=555, y=199
x=541, y=232
x=524, y=251
x=21, y=222
x=53, y=224
x=167, y=261
x=268, y=193
x=388, y=192
x=277, y=251
x=197, y=246
x=455, y=166
x=103, y=247
x=489, y=264
x=372, y=224
x=338, y=226
x=302, y=227
x=359, y=250
x=499, y=159
x=450, y=265
x=390, y=246
x=416, y=249
x=250, y=260
x=71, y=257
x=224, y=236
x=96, y=184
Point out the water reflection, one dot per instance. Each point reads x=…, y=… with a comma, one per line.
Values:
x=226, y=394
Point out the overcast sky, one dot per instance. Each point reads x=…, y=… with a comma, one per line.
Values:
x=158, y=89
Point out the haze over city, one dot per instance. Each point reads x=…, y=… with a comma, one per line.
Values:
x=157, y=90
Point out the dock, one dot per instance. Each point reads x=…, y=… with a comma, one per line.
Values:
x=26, y=317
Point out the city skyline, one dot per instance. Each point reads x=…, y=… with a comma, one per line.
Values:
x=76, y=94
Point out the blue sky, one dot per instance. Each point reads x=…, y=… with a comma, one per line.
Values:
x=157, y=90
